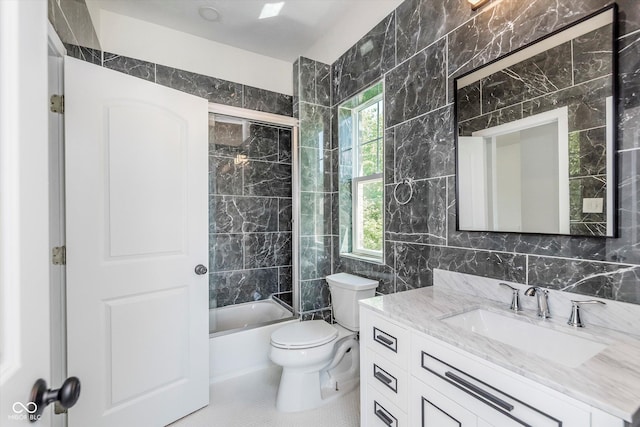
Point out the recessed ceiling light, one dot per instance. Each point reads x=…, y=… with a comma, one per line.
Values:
x=269, y=10
x=209, y=13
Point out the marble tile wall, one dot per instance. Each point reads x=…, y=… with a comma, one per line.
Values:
x=250, y=240
x=312, y=101
x=432, y=42
x=576, y=75
x=213, y=89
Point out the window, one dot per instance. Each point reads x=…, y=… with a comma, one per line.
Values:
x=361, y=140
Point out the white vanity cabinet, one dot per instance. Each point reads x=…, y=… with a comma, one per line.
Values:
x=412, y=379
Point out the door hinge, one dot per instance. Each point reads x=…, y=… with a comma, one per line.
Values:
x=59, y=255
x=56, y=104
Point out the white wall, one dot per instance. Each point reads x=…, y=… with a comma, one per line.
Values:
x=150, y=42
x=508, y=199
x=347, y=30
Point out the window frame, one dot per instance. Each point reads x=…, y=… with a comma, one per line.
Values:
x=358, y=179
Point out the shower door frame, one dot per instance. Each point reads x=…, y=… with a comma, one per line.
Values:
x=293, y=123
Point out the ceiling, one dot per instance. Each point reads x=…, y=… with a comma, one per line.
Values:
x=298, y=27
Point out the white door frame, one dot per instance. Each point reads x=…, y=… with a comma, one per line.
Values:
x=58, y=314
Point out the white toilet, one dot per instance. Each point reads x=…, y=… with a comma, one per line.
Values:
x=321, y=361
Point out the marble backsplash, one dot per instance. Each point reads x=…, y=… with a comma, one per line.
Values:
x=435, y=41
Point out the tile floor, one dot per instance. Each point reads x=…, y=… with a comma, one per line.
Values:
x=249, y=401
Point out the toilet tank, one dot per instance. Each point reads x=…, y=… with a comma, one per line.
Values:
x=346, y=290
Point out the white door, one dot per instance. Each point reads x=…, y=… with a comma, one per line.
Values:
x=136, y=190
x=24, y=235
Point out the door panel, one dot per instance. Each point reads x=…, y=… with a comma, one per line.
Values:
x=136, y=174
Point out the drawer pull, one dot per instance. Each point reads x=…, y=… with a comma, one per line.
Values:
x=384, y=415
x=477, y=390
x=388, y=341
x=384, y=339
x=382, y=377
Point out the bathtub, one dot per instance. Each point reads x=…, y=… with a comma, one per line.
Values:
x=240, y=337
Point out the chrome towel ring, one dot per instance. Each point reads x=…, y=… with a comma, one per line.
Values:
x=407, y=181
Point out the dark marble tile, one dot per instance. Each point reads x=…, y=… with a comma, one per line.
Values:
x=284, y=145
x=232, y=214
x=262, y=143
x=267, y=249
x=611, y=281
x=629, y=71
x=424, y=147
x=423, y=218
x=315, y=214
x=214, y=90
x=267, y=179
x=77, y=16
x=323, y=84
x=494, y=118
x=587, y=187
x=592, y=54
x=225, y=176
x=315, y=170
x=585, y=102
x=412, y=266
x=335, y=213
x=469, y=102
x=383, y=274
x=416, y=86
x=285, y=280
x=629, y=16
x=325, y=315
x=496, y=265
x=588, y=152
x=366, y=61
x=236, y=287
x=93, y=56
x=588, y=228
x=541, y=74
x=225, y=252
x=315, y=257
x=315, y=294
x=307, y=80
x=421, y=22
x=315, y=126
x=285, y=214
x=629, y=128
x=267, y=101
x=296, y=86
x=133, y=67
x=389, y=155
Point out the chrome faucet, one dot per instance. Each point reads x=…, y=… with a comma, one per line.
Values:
x=542, y=295
x=515, y=299
x=575, y=320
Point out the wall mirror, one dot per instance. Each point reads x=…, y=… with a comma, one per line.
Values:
x=536, y=132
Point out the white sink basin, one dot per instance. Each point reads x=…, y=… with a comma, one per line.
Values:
x=560, y=347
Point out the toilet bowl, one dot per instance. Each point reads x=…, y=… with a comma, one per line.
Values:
x=320, y=361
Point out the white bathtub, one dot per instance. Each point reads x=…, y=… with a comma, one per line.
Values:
x=240, y=337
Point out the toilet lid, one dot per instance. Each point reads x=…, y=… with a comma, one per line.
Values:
x=309, y=334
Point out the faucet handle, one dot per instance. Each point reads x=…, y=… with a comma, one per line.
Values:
x=515, y=300
x=574, y=319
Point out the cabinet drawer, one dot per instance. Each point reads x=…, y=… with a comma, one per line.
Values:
x=387, y=378
x=385, y=337
x=494, y=395
x=380, y=412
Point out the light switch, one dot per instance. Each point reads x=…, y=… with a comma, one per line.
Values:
x=592, y=205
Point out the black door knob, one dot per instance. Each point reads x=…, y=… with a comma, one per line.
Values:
x=200, y=269
x=42, y=396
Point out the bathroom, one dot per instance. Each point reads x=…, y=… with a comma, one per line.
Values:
x=417, y=48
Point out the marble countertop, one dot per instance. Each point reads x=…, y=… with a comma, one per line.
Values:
x=609, y=381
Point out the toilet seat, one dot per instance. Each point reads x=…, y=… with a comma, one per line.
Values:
x=313, y=333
